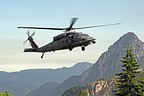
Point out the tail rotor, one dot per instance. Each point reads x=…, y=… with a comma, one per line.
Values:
x=29, y=36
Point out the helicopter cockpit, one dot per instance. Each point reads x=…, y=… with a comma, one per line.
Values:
x=58, y=37
x=64, y=35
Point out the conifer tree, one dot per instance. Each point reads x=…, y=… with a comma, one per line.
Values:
x=5, y=94
x=141, y=85
x=127, y=79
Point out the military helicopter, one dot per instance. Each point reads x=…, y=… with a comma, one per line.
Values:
x=67, y=40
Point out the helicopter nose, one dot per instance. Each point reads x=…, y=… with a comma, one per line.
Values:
x=90, y=38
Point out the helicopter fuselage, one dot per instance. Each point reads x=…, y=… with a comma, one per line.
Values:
x=63, y=41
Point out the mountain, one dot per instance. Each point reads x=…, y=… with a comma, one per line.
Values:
x=108, y=63
x=101, y=87
x=96, y=88
x=50, y=86
x=70, y=82
x=21, y=83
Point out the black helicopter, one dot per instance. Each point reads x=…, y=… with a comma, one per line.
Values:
x=67, y=40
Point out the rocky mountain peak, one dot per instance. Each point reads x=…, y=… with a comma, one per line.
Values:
x=109, y=63
x=130, y=35
x=129, y=40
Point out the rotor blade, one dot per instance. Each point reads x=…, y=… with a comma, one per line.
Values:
x=97, y=26
x=43, y=28
x=25, y=41
x=33, y=34
x=72, y=23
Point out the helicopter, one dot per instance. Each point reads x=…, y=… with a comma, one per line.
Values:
x=67, y=40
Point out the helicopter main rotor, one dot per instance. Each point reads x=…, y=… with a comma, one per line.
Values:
x=68, y=29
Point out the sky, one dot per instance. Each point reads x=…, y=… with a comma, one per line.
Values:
x=54, y=13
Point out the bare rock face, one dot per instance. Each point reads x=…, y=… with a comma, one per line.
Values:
x=101, y=88
x=96, y=88
x=109, y=63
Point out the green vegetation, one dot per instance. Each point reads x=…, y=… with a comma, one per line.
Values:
x=5, y=94
x=141, y=85
x=127, y=84
x=74, y=91
x=83, y=93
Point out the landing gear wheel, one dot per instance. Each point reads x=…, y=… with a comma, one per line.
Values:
x=93, y=42
x=83, y=48
x=70, y=49
x=42, y=55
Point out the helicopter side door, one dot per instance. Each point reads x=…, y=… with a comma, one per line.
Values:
x=60, y=44
x=64, y=43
